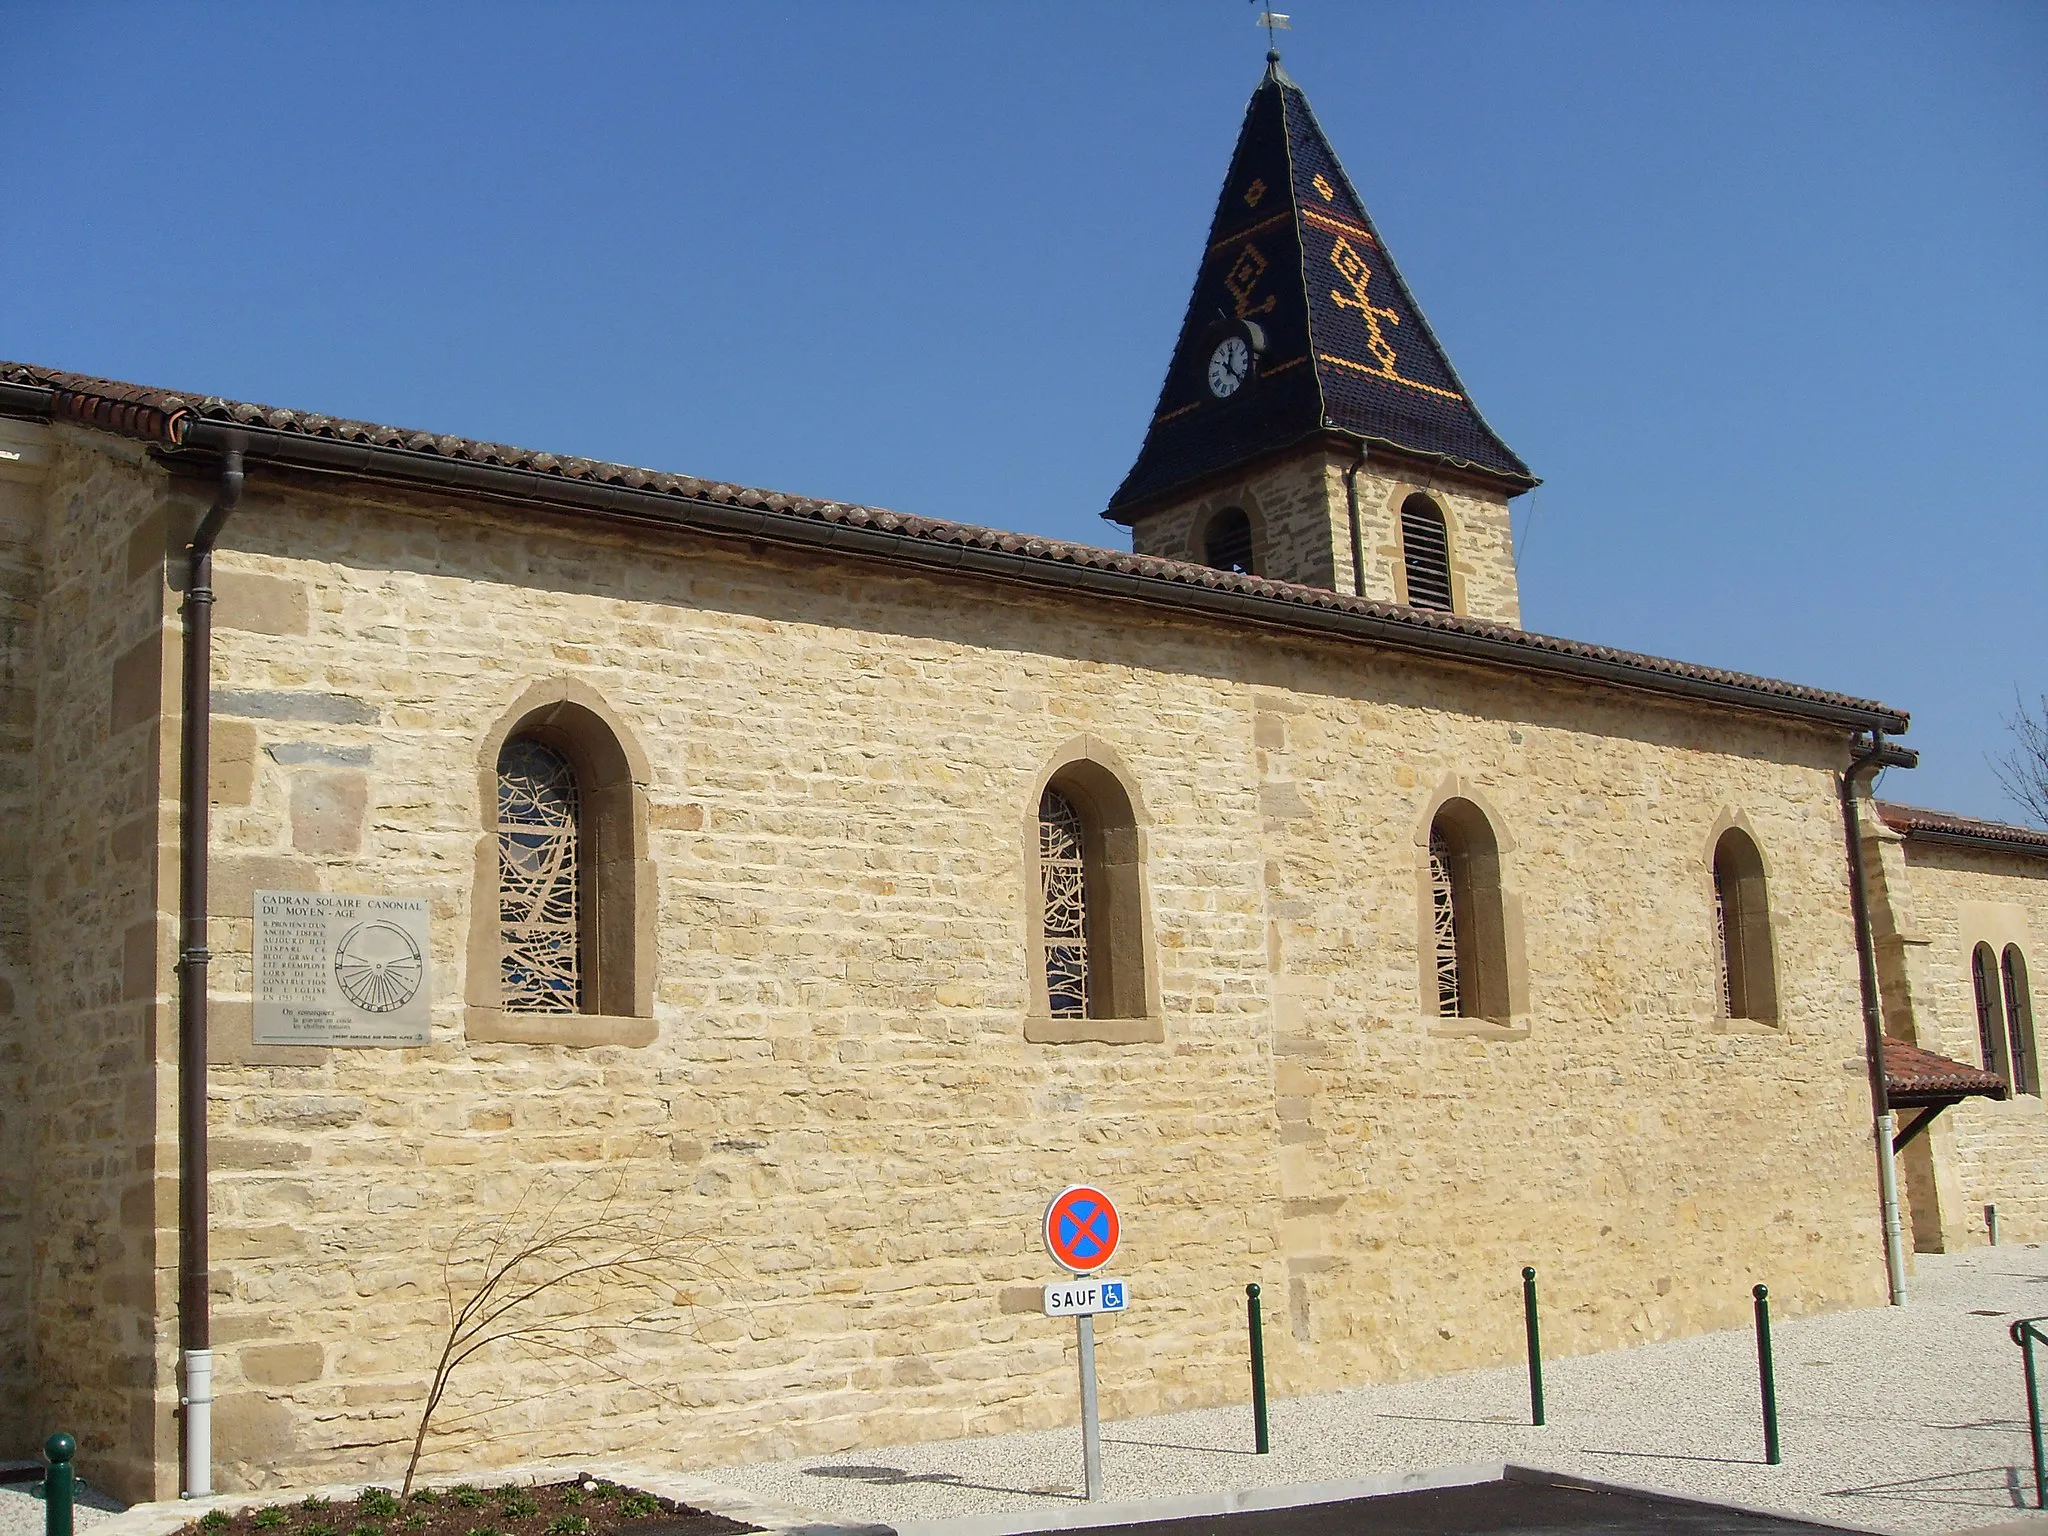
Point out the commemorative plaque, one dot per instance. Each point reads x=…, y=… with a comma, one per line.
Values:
x=339, y=969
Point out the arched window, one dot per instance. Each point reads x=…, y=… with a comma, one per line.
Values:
x=541, y=904
x=1742, y=920
x=1469, y=954
x=1426, y=553
x=562, y=935
x=1227, y=542
x=1984, y=982
x=1091, y=904
x=2019, y=1023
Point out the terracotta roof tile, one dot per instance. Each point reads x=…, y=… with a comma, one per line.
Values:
x=1913, y=1076
x=1941, y=826
x=165, y=415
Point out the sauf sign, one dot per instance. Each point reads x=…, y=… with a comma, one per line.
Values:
x=1082, y=1230
x=1079, y=1298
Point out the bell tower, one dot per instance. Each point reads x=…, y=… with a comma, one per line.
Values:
x=1310, y=428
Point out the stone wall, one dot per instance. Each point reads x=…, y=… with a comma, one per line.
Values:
x=100, y=1187
x=839, y=1107
x=1301, y=529
x=24, y=457
x=1934, y=902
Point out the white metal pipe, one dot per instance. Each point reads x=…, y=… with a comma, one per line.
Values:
x=198, y=1405
x=1888, y=1199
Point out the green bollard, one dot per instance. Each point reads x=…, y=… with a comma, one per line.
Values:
x=1261, y=1440
x=59, y=1483
x=1535, y=1344
x=2024, y=1334
x=1765, y=1378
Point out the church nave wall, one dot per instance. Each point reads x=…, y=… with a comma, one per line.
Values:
x=841, y=761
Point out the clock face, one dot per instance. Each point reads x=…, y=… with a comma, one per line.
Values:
x=1229, y=365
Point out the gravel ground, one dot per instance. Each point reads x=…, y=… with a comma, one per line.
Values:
x=21, y=1514
x=1904, y=1420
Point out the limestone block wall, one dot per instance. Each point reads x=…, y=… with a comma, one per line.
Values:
x=1937, y=902
x=99, y=1189
x=839, y=1101
x=1301, y=529
x=24, y=457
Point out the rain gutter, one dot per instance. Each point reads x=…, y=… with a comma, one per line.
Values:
x=626, y=504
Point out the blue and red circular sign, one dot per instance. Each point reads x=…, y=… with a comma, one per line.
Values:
x=1081, y=1228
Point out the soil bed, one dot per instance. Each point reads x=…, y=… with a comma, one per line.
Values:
x=585, y=1506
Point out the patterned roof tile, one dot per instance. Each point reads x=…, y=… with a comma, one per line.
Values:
x=1292, y=250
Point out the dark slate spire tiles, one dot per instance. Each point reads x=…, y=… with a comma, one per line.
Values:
x=1292, y=250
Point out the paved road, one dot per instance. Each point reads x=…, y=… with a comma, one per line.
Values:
x=1908, y=1420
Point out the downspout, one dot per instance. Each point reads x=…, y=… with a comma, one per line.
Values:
x=1884, y=1125
x=1357, y=539
x=195, y=1323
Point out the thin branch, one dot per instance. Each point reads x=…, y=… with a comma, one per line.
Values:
x=542, y=1283
x=2023, y=769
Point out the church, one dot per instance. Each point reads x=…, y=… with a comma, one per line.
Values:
x=407, y=831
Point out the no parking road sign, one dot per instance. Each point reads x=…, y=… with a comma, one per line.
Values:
x=1081, y=1229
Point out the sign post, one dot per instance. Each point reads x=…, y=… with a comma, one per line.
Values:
x=1081, y=1233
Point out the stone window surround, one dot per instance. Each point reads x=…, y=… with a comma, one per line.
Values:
x=1397, y=497
x=1995, y=924
x=1091, y=774
x=1510, y=950
x=612, y=769
x=1733, y=820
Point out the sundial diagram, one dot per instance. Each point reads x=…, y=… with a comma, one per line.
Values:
x=378, y=967
x=341, y=969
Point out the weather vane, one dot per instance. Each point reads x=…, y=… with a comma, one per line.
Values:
x=1272, y=21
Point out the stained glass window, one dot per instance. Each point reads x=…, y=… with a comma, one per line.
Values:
x=2019, y=1023
x=539, y=900
x=1721, y=955
x=1062, y=866
x=1984, y=981
x=1444, y=925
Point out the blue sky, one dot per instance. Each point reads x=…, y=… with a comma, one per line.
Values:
x=1757, y=289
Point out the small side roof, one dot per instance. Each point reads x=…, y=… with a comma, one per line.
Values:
x=1918, y=824
x=1914, y=1078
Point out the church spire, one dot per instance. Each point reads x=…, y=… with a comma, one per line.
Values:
x=1295, y=278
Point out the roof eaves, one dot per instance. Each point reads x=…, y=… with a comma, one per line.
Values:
x=1922, y=825
x=330, y=445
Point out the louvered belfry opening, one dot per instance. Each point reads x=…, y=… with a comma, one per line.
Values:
x=540, y=898
x=1227, y=545
x=1426, y=554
